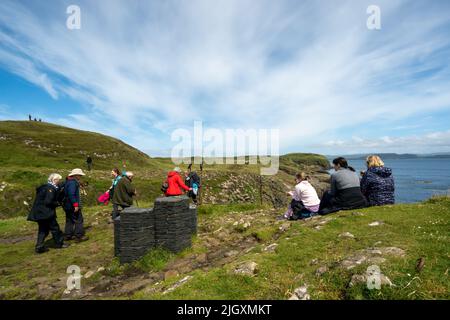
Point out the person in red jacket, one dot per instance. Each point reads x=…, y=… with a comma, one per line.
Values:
x=175, y=183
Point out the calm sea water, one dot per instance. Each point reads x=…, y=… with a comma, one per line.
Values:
x=415, y=179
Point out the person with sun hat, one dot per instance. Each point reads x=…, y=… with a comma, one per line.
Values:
x=74, y=229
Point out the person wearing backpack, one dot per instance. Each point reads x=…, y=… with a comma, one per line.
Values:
x=174, y=184
x=44, y=213
x=192, y=180
x=123, y=194
x=74, y=228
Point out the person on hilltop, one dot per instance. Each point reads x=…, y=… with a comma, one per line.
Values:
x=74, y=228
x=123, y=194
x=44, y=213
x=345, y=193
x=89, y=162
x=377, y=183
x=174, y=184
x=305, y=201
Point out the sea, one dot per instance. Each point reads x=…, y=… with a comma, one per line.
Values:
x=416, y=179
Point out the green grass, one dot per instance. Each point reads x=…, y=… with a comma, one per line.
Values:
x=290, y=267
x=419, y=229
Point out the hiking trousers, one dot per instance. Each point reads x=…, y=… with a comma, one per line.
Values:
x=45, y=227
x=74, y=224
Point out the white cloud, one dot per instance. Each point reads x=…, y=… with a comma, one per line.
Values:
x=432, y=142
x=307, y=67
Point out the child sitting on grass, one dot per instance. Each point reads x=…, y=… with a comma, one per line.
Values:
x=305, y=201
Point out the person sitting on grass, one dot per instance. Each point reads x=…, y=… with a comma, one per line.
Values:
x=44, y=213
x=175, y=184
x=345, y=193
x=377, y=183
x=305, y=201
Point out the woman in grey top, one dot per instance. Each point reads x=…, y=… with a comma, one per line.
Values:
x=345, y=192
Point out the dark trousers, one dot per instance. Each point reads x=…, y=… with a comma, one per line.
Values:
x=74, y=224
x=45, y=227
x=300, y=211
x=116, y=211
x=193, y=196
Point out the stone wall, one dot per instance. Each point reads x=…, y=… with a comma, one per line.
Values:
x=169, y=225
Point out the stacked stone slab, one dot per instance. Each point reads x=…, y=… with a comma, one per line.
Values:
x=170, y=225
x=136, y=234
x=173, y=223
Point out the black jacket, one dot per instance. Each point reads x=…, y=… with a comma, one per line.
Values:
x=45, y=204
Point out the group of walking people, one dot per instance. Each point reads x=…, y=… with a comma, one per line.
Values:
x=66, y=194
x=347, y=191
x=51, y=195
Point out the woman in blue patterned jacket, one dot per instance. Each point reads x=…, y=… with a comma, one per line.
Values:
x=377, y=183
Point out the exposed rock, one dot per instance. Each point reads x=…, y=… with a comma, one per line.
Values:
x=353, y=261
x=88, y=274
x=357, y=279
x=375, y=224
x=314, y=262
x=357, y=214
x=178, y=284
x=285, y=226
x=347, y=235
x=371, y=255
x=373, y=252
x=321, y=271
x=376, y=260
x=393, y=251
x=362, y=279
x=271, y=248
x=100, y=269
x=249, y=268
x=301, y=294
x=231, y=253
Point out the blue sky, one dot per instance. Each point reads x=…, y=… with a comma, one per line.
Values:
x=139, y=70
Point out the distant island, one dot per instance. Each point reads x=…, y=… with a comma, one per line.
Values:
x=362, y=156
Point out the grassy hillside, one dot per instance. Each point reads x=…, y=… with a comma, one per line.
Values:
x=30, y=151
x=327, y=254
x=45, y=145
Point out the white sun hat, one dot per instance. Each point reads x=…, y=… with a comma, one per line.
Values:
x=77, y=172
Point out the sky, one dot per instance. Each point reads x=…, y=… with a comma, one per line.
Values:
x=138, y=70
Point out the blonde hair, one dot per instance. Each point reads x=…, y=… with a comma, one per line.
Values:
x=302, y=176
x=374, y=161
x=53, y=177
